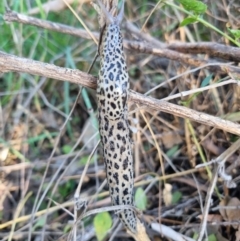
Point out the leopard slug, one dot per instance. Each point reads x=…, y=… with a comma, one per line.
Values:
x=112, y=95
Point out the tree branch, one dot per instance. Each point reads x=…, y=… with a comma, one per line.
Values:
x=142, y=47
x=11, y=16
x=210, y=48
x=11, y=63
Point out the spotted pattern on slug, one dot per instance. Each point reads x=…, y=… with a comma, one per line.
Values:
x=113, y=77
x=112, y=93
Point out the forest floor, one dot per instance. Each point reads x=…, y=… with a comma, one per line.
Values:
x=186, y=148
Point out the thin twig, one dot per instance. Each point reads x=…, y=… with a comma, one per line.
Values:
x=197, y=90
x=207, y=204
x=11, y=16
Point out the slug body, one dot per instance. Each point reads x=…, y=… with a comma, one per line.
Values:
x=112, y=93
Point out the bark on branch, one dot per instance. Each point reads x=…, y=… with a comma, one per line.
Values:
x=152, y=46
x=11, y=63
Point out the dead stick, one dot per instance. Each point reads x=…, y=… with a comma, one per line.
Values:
x=10, y=16
x=11, y=63
x=210, y=48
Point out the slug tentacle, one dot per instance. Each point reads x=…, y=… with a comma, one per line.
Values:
x=120, y=16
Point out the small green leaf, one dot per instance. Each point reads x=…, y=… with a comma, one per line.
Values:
x=84, y=159
x=67, y=228
x=66, y=149
x=212, y=237
x=176, y=196
x=66, y=188
x=170, y=153
x=196, y=7
x=235, y=33
x=40, y=223
x=187, y=21
x=206, y=81
x=195, y=236
x=102, y=223
x=140, y=199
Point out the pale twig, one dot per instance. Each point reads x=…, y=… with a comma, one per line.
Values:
x=182, y=74
x=182, y=58
x=36, y=206
x=81, y=21
x=103, y=194
x=197, y=90
x=207, y=204
x=15, y=167
x=221, y=160
x=11, y=63
x=106, y=209
x=114, y=230
x=78, y=190
x=169, y=232
x=10, y=16
x=220, y=169
x=17, y=212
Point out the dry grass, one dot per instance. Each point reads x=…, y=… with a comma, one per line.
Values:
x=48, y=127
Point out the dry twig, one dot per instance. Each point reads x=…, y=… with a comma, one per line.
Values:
x=141, y=47
x=11, y=63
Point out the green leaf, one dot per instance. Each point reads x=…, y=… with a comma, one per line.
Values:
x=67, y=228
x=176, y=196
x=40, y=223
x=66, y=188
x=66, y=149
x=235, y=33
x=206, y=81
x=187, y=21
x=170, y=153
x=140, y=199
x=102, y=223
x=195, y=236
x=84, y=159
x=196, y=7
x=212, y=237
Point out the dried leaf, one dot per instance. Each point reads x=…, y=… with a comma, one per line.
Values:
x=222, y=211
x=18, y=141
x=170, y=139
x=233, y=213
x=212, y=217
